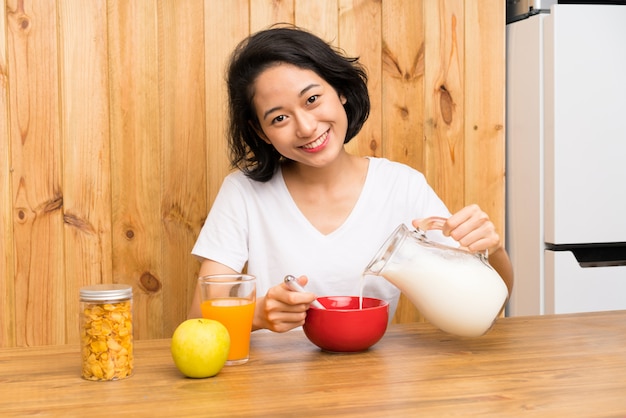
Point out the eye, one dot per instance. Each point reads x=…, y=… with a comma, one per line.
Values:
x=278, y=119
x=312, y=99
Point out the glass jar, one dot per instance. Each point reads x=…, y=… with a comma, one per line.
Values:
x=106, y=331
x=455, y=290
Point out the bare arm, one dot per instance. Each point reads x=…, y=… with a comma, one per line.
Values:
x=474, y=230
x=499, y=260
x=206, y=268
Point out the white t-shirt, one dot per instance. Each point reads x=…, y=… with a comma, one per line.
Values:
x=259, y=223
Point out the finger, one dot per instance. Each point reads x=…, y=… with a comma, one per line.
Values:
x=302, y=280
x=469, y=221
x=480, y=239
x=285, y=321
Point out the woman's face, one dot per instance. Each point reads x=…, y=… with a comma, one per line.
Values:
x=300, y=114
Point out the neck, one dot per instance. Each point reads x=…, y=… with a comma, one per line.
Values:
x=328, y=175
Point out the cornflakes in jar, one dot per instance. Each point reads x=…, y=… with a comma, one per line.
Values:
x=106, y=331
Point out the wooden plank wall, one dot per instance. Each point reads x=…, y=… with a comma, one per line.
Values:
x=112, y=148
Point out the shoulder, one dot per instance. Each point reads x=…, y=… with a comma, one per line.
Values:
x=239, y=180
x=400, y=183
x=239, y=189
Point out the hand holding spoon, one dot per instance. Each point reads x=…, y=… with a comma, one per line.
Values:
x=294, y=285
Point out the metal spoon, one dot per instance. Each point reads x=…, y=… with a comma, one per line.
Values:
x=294, y=285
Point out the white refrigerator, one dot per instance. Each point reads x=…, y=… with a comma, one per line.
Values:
x=566, y=156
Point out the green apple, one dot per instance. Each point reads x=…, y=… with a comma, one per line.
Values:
x=200, y=347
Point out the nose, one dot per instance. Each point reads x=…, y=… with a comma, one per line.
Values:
x=305, y=124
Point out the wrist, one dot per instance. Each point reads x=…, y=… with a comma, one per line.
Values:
x=495, y=250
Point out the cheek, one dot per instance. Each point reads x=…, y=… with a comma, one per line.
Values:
x=274, y=138
x=344, y=116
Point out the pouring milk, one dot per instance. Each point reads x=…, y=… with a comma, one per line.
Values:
x=457, y=291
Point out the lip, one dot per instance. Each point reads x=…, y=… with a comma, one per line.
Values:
x=324, y=138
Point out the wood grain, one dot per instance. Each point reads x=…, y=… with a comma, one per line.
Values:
x=355, y=18
x=565, y=365
x=403, y=82
x=444, y=96
x=319, y=17
x=112, y=134
x=7, y=292
x=403, y=55
x=182, y=100
x=86, y=150
x=484, y=110
x=136, y=154
x=264, y=13
x=226, y=24
x=36, y=176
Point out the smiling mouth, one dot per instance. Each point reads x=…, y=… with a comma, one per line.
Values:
x=317, y=143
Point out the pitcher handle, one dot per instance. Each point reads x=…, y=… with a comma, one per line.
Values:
x=436, y=223
x=431, y=223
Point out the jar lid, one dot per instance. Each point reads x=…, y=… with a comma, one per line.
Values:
x=109, y=291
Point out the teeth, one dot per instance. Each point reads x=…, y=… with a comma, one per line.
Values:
x=319, y=141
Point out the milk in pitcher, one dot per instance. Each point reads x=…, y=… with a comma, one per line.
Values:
x=457, y=291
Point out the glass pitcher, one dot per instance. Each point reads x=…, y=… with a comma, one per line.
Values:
x=454, y=289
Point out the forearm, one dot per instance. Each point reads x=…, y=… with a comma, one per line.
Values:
x=194, y=309
x=207, y=267
x=500, y=261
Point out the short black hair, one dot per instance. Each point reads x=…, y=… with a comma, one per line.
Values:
x=291, y=45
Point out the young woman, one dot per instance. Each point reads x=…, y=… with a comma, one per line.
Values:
x=300, y=204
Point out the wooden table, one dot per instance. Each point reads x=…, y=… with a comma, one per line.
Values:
x=563, y=365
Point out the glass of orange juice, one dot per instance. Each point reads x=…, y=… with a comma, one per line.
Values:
x=230, y=299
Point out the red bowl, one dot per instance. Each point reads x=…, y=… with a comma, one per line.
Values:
x=343, y=327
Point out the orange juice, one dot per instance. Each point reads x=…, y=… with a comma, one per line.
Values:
x=236, y=315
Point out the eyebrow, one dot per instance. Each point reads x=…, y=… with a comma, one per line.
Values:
x=302, y=93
